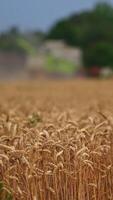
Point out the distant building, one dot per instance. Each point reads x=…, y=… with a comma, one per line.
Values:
x=52, y=57
x=60, y=50
x=35, y=65
x=106, y=72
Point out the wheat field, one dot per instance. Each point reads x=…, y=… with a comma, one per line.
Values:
x=56, y=140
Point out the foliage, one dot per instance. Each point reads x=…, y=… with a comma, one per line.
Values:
x=25, y=46
x=14, y=40
x=99, y=54
x=4, y=193
x=89, y=29
x=34, y=119
x=59, y=65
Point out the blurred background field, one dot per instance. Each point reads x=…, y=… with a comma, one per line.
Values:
x=76, y=45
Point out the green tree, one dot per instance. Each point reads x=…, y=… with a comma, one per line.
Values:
x=14, y=41
x=91, y=30
x=99, y=54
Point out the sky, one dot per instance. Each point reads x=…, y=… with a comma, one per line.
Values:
x=39, y=14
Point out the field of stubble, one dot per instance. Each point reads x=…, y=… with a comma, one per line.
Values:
x=56, y=140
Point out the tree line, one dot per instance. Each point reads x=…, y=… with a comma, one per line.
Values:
x=14, y=40
x=92, y=31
